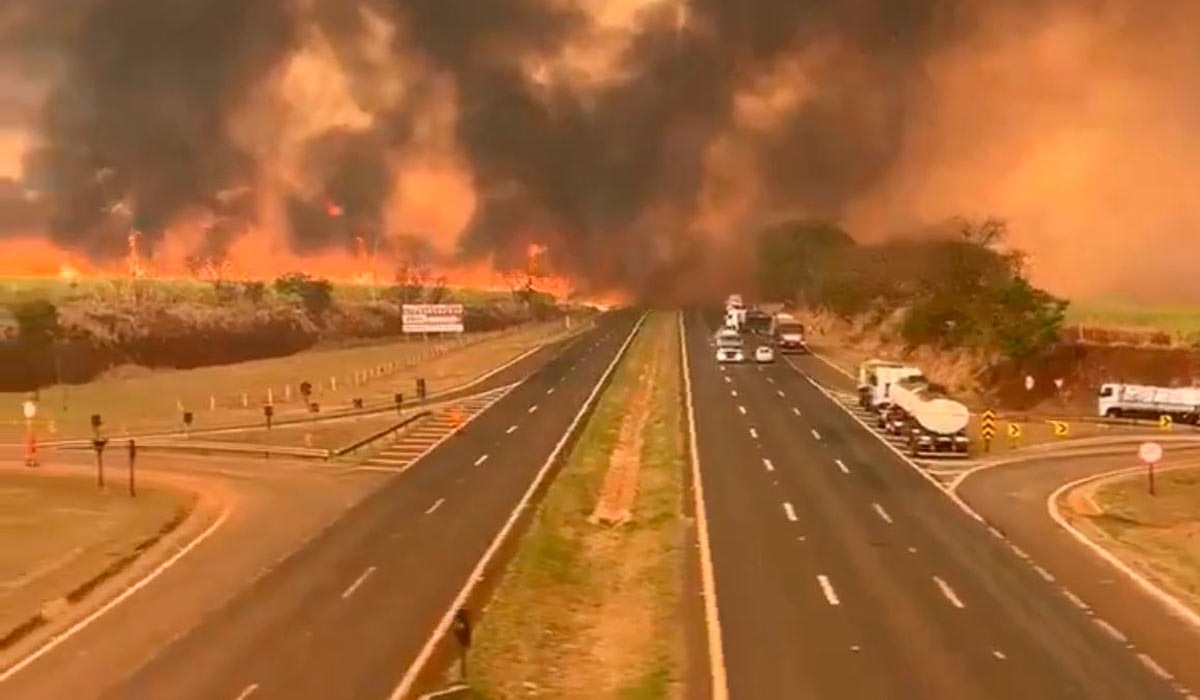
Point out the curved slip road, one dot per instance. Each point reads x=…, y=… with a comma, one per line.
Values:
x=842, y=573
x=345, y=616
x=1013, y=497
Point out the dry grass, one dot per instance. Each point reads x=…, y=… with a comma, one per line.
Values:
x=56, y=531
x=1157, y=535
x=590, y=611
x=151, y=400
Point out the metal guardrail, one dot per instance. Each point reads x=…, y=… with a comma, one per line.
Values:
x=377, y=435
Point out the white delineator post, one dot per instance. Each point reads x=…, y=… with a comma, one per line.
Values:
x=1150, y=453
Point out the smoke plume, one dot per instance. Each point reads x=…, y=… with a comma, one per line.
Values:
x=639, y=141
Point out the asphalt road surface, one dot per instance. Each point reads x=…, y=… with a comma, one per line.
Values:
x=1014, y=497
x=345, y=616
x=842, y=573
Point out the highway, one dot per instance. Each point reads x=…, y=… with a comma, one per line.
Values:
x=346, y=616
x=840, y=572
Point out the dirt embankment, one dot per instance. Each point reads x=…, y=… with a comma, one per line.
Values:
x=96, y=337
x=1066, y=379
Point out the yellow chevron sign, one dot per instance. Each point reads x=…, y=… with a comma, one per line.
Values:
x=1060, y=428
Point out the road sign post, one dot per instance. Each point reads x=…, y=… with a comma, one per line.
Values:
x=98, y=444
x=1014, y=434
x=188, y=417
x=268, y=413
x=132, y=458
x=462, y=633
x=29, y=408
x=399, y=402
x=1150, y=453
x=988, y=429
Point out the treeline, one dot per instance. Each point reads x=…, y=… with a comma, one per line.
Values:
x=956, y=288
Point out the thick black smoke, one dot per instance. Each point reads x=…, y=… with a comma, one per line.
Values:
x=609, y=176
x=137, y=130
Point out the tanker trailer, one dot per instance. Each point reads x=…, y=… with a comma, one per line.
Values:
x=934, y=422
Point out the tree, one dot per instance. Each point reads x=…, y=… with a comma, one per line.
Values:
x=37, y=322
x=316, y=295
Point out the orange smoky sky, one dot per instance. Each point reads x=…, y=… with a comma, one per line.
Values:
x=635, y=145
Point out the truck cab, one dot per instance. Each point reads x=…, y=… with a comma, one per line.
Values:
x=875, y=378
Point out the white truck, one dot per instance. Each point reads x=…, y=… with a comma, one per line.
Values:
x=875, y=377
x=735, y=312
x=729, y=346
x=1141, y=401
x=788, y=333
x=931, y=421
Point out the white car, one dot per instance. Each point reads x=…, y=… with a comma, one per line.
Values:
x=764, y=353
x=730, y=354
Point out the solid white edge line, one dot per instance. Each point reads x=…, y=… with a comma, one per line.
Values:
x=767, y=463
x=1110, y=630
x=827, y=588
x=830, y=363
x=357, y=582
x=1170, y=602
x=124, y=595
x=435, y=506
x=414, y=669
x=708, y=583
x=948, y=592
x=789, y=511
x=1151, y=664
x=954, y=497
x=882, y=513
x=481, y=460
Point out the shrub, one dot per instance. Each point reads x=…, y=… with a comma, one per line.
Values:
x=315, y=295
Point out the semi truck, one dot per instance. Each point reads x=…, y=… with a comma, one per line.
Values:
x=788, y=333
x=909, y=405
x=1141, y=401
x=929, y=419
x=875, y=378
x=729, y=346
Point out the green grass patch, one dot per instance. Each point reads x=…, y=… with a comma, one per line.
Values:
x=1182, y=320
x=591, y=610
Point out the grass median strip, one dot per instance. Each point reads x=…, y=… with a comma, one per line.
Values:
x=587, y=609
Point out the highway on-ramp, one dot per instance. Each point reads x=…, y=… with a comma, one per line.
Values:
x=348, y=614
x=841, y=572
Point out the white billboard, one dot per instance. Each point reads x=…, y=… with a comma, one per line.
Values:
x=432, y=318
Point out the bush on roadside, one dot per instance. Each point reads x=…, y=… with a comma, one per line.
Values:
x=315, y=295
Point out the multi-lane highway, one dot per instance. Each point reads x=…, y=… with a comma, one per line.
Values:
x=350, y=614
x=840, y=572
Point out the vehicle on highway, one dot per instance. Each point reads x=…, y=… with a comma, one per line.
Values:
x=788, y=333
x=875, y=378
x=758, y=322
x=729, y=346
x=931, y=421
x=1139, y=401
x=764, y=353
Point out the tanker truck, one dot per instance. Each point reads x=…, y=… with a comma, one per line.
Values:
x=1139, y=401
x=930, y=420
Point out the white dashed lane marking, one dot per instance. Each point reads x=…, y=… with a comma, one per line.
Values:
x=742, y=409
x=767, y=463
x=883, y=514
x=754, y=433
x=533, y=408
x=815, y=434
x=247, y=692
x=827, y=589
x=948, y=592
x=842, y=466
x=789, y=511
x=481, y=460
x=435, y=506
x=511, y=429
x=357, y=582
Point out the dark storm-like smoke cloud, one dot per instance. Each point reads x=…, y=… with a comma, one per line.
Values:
x=142, y=110
x=141, y=113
